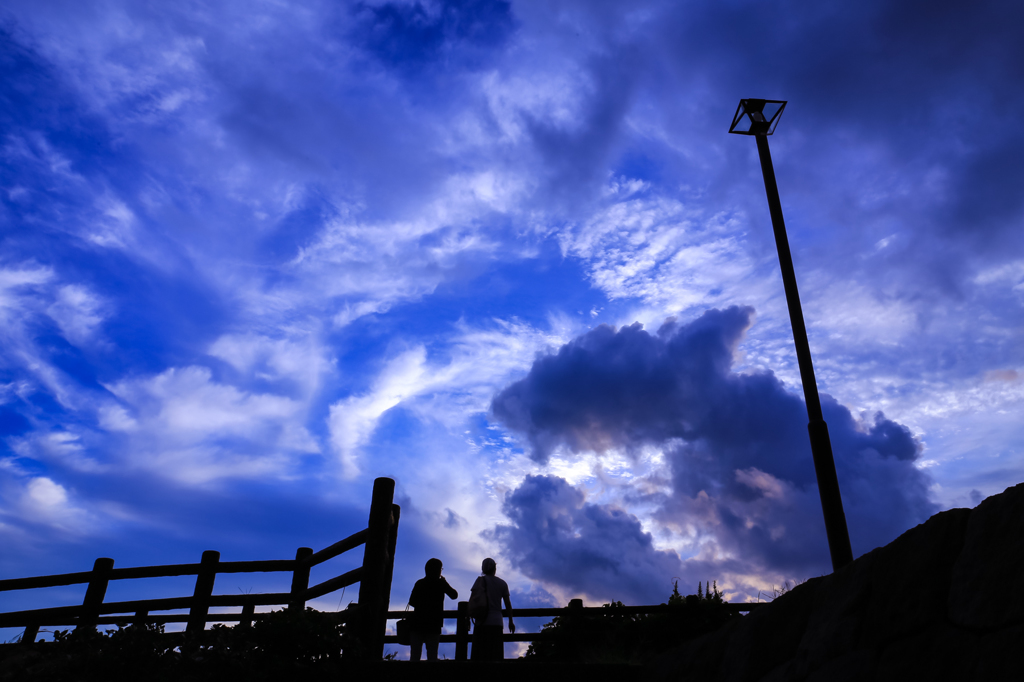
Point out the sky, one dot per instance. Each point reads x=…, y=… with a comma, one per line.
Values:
x=255, y=254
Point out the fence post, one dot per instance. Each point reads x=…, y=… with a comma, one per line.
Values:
x=30, y=634
x=300, y=579
x=95, y=593
x=372, y=620
x=204, y=588
x=141, y=616
x=248, y=610
x=389, y=568
x=462, y=632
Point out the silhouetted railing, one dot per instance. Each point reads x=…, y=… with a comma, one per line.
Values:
x=367, y=621
x=462, y=636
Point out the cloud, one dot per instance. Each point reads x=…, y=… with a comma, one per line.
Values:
x=46, y=501
x=279, y=185
x=620, y=389
x=34, y=306
x=16, y=285
x=296, y=361
x=642, y=245
x=39, y=503
x=442, y=389
x=366, y=267
x=742, y=482
x=188, y=427
x=44, y=492
x=78, y=312
x=556, y=536
x=353, y=420
x=413, y=37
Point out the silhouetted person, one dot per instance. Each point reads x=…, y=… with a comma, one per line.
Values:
x=427, y=599
x=487, y=644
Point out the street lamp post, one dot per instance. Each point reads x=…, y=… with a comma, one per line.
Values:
x=758, y=117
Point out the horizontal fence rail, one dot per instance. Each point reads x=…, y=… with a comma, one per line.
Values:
x=378, y=540
x=71, y=615
x=169, y=571
x=462, y=636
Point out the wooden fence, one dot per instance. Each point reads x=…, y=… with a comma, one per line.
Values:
x=462, y=636
x=368, y=619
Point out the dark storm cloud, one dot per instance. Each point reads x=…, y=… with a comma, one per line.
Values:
x=625, y=388
x=737, y=443
x=593, y=549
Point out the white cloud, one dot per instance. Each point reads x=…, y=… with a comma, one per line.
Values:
x=298, y=358
x=554, y=97
x=354, y=267
x=38, y=151
x=44, y=501
x=28, y=294
x=115, y=225
x=64, y=446
x=45, y=493
x=78, y=312
x=1005, y=273
x=189, y=427
x=657, y=250
x=113, y=417
x=854, y=313
x=13, y=285
x=478, y=362
x=353, y=420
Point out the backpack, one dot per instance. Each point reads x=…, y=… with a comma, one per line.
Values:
x=479, y=604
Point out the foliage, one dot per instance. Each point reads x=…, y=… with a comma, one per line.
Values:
x=278, y=645
x=776, y=592
x=616, y=638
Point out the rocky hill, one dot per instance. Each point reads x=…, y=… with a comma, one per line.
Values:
x=944, y=601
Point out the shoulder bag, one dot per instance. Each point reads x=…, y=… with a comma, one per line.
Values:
x=479, y=604
x=402, y=630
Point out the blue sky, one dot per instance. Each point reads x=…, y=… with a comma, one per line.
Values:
x=256, y=254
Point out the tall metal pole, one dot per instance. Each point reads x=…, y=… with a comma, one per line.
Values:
x=821, y=445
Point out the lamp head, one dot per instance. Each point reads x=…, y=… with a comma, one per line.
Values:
x=757, y=116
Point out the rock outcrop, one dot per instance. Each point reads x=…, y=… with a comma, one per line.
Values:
x=944, y=601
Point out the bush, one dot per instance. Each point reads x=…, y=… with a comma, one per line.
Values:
x=614, y=638
x=278, y=644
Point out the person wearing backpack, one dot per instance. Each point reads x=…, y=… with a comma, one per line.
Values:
x=485, y=600
x=427, y=599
